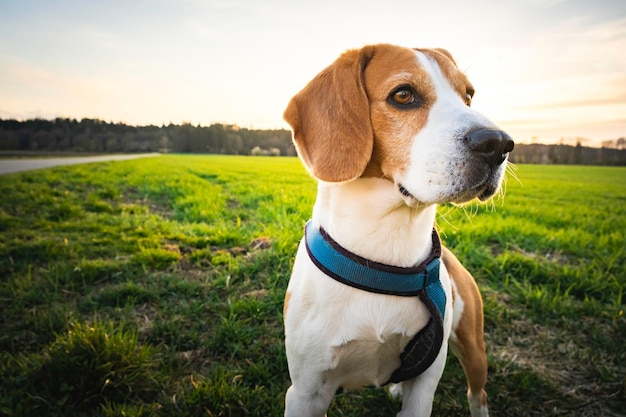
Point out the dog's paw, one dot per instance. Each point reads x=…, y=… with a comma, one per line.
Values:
x=395, y=391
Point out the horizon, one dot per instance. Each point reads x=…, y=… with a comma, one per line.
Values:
x=616, y=143
x=544, y=71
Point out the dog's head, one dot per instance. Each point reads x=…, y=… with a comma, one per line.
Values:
x=403, y=115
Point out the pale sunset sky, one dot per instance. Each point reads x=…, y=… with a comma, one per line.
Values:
x=543, y=69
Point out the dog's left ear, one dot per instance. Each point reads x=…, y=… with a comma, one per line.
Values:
x=330, y=119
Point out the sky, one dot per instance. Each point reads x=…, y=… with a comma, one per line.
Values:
x=544, y=70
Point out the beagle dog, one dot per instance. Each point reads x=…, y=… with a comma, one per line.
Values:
x=373, y=298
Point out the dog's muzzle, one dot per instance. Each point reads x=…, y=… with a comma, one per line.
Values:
x=491, y=145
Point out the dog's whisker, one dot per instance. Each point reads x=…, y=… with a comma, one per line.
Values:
x=511, y=169
x=467, y=214
x=444, y=217
x=493, y=205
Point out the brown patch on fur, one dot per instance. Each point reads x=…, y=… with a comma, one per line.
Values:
x=395, y=128
x=330, y=119
x=470, y=345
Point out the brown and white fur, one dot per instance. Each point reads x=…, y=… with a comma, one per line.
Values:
x=389, y=134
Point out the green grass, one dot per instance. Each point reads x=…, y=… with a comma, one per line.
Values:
x=154, y=288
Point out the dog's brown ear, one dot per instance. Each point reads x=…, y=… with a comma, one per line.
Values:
x=330, y=119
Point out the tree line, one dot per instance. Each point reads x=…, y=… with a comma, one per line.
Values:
x=97, y=136
x=537, y=153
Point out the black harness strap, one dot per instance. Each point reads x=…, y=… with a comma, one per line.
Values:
x=423, y=349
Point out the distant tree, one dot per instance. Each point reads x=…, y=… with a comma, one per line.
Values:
x=165, y=143
x=609, y=144
x=578, y=153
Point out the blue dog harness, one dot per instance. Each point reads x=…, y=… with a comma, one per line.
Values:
x=420, y=281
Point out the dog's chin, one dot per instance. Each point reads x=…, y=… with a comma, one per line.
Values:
x=482, y=193
x=482, y=190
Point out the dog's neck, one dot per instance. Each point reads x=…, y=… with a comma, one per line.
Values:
x=368, y=217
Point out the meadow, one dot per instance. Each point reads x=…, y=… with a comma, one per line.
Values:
x=154, y=287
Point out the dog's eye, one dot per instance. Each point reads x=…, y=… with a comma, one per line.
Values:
x=404, y=97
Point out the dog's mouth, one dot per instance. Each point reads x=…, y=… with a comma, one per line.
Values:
x=404, y=191
x=409, y=199
x=483, y=191
x=488, y=191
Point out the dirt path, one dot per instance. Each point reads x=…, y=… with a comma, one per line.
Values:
x=8, y=166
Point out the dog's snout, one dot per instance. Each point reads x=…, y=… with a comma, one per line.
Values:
x=490, y=144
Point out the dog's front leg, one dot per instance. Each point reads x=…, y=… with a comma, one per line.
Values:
x=418, y=393
x=309, y=399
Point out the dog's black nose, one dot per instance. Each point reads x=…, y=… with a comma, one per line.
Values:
x=490, y=144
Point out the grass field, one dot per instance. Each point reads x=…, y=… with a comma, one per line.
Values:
x=154, y=288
